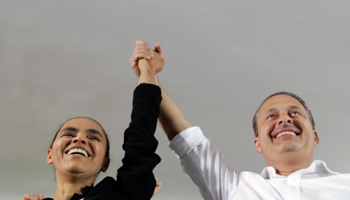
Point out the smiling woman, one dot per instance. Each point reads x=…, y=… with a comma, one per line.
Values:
x=80, y=146
x=93, y=133
x=80, y=149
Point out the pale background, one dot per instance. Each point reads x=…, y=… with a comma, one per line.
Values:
x=61, y=59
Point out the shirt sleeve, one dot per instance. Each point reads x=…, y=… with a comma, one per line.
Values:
x=204, y=163
x=136, y=175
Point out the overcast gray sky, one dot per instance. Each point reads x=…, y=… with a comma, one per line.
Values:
x=61, y=59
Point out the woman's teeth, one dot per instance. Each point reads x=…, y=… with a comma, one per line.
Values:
x=78, y=151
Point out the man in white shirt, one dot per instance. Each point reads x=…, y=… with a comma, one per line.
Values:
x=285, y=135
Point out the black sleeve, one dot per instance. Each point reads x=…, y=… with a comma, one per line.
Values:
x=136, y=176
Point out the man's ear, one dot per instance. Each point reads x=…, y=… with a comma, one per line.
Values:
x=316, y=139
x=105, y=165
x=49, y=157
x=257, y=145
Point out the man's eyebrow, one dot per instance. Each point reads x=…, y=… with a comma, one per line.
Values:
x=294, y=107
x=271, y=110
x=93, y=131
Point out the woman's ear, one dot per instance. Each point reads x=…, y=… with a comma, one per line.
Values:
x=105, y=164
x=49, y=157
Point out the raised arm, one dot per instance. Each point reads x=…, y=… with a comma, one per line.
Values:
x=136, y=177
x=202, y=161
x=171, y=118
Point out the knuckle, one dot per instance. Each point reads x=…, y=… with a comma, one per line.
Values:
x=140, y=42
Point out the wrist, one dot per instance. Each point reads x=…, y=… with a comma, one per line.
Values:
x=147, y=76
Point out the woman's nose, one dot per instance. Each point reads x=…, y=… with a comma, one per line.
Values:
x=79, y=138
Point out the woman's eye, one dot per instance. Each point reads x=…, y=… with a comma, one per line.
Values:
x=94, y=138
x=68, y=134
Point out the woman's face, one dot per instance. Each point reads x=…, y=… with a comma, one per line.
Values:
x=79, y=147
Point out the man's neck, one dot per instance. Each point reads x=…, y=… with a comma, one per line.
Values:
x=287, y=164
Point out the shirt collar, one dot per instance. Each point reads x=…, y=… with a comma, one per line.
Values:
x=316, y=166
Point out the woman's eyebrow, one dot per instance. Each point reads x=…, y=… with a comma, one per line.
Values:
x=93, y=131
x=70, y=129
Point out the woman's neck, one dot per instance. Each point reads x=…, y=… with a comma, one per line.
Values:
x=68, y=185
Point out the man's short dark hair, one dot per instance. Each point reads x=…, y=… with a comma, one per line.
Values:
x=255, y=118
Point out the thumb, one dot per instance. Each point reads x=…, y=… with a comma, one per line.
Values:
x=163, y=61
x=158, y=49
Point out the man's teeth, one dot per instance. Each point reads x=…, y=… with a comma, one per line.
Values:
x=79, y=151
x=285, y=133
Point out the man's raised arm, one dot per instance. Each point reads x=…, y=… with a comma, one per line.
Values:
x=171, y=118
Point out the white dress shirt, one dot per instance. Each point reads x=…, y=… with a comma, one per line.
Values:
x=206, y=166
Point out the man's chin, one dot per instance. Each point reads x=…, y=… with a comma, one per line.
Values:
x=288, y=147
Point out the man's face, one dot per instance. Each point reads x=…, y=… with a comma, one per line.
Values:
x=79, y=147
x=284, y=127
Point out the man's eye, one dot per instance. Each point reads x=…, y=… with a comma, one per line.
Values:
x=295, y=113
x=270, y=116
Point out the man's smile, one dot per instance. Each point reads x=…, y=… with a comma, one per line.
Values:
x=286, y=133
x=290, y=129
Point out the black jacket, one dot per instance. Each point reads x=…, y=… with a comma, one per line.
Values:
x=135, y=179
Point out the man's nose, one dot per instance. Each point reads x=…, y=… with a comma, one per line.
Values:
x=285, y=119
x=79, y=138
